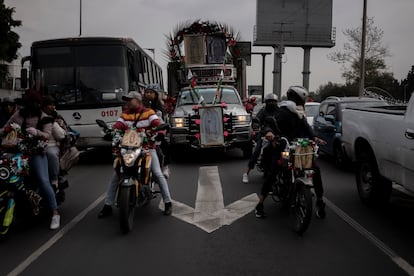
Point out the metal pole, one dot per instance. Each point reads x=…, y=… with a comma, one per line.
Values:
x=362, y=61
x=405, y=92
x=306, y=66
x=277, y=71
x=80, y=17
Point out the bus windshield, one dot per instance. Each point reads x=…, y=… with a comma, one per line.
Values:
x=82, y=74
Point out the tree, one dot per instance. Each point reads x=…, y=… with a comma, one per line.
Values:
x=9, y=40
x=334, y=89
x=407, y=85
x=350, y=57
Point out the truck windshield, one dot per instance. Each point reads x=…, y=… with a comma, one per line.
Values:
x=227, y=95
x=82, y=74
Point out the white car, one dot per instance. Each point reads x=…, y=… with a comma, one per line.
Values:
x=311, y=111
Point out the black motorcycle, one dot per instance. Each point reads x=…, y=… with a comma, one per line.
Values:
x=294, y=181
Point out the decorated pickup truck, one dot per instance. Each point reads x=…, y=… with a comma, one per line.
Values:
x=206, y=79
x=381, y=142
x=212, y=122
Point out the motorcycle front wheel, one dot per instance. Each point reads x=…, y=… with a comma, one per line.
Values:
x=301, y=207
x=126, y=208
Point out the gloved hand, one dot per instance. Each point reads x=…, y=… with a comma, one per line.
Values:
x=32, y=131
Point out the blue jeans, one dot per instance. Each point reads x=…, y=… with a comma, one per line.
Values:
x=256, y=152
x=39, y=166
x=52, y=154
x=156, y=174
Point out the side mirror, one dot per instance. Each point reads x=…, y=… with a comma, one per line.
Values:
x=23, y=78
x=330, y=118
x=102, y=124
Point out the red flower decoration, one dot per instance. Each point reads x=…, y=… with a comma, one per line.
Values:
x=225, y=133
x=197, y=121
x=197, y=135
x=223, y=104
x=195, y=107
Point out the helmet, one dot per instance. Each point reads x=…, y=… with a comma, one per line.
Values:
x=153, y=86
x=270, y=97
x=297, y=94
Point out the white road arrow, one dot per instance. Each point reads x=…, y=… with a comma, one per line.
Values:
x=209, y=213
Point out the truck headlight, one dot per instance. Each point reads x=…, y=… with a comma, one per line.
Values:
x=177, y=122
x=244, y=119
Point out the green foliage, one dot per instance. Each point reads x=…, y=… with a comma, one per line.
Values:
x=9, y=40
x=334, y=89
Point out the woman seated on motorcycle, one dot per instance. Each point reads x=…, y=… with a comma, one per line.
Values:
x=38, y=124
x=53, y=149
x=136, y=115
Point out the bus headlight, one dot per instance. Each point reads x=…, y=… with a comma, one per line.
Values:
x=177, y=122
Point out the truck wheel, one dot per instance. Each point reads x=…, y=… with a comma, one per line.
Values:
x=372, y=187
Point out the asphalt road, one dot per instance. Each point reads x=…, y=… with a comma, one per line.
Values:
x=353, y=239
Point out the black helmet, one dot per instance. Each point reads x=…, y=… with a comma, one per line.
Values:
x=297, y=94
x=270, y=97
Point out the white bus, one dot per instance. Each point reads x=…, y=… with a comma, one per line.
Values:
x=88, y=77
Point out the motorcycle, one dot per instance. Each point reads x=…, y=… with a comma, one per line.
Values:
x=294, y=180
x=19, y=195
x=132, y=164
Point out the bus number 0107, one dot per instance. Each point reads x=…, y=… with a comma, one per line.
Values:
x=109, y=113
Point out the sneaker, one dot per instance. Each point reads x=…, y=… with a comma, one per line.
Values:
x=166, y=171
x=259, y=211
x=55, y=223
x=168, y=209
x=105, y=212
x=245, y=179
x=320, y=209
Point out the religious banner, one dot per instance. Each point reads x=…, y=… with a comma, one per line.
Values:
x=195, y=49
x=216, y=49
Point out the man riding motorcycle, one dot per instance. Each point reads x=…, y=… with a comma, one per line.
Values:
x=291, y=123
x=143, y=118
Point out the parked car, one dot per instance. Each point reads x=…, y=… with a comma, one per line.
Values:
x=328, y=124
x=311, y=111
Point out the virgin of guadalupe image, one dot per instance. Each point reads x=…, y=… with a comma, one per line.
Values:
x=209, y=124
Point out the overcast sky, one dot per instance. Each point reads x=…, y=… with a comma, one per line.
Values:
x=148, y=21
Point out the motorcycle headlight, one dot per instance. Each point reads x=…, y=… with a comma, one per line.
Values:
x=178, y=122
x=130, y=156
x=243, y=119
x=285, y=154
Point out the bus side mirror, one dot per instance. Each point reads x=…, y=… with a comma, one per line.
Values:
x=23, y=78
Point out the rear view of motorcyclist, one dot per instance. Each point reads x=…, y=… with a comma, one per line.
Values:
x=269, y=110
x=292, y=123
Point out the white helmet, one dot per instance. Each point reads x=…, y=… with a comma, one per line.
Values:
x=270, y=97
x=297, y=94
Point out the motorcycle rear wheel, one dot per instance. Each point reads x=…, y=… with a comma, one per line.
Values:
x=301, y=207
x=126, y=209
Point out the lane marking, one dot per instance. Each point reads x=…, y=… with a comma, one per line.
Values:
x=403, y=264
x=36, y=254
x=210, y=213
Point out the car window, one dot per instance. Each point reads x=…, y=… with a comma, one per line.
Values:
x=331, y=110
x=322, y=108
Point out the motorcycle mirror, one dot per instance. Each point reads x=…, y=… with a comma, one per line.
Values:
x=101, y=123
x=163, y=127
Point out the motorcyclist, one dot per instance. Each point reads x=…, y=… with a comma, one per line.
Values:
x=38, y=124
x=291, y=123
x=269, y=110
x=152, y=100
x=137, y=115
